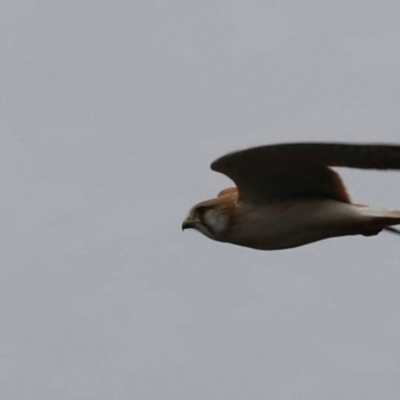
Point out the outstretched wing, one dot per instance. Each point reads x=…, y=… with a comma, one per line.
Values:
x=301, y=170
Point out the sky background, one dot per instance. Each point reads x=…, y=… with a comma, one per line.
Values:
x=110, y=114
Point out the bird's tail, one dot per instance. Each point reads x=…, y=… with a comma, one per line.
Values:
x=391, y=229
x=378, y=220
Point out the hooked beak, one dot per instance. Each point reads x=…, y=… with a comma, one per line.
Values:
x=189, y=222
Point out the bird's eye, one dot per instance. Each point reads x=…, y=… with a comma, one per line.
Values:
x=202, y=209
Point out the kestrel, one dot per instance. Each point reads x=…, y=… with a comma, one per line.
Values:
x=287, y=195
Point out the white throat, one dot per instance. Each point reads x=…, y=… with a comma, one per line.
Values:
x=214, y=222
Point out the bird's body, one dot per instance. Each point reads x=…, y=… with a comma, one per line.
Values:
x=287, y=196
x=295, y=223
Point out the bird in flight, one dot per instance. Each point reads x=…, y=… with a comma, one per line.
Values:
x=286, y=195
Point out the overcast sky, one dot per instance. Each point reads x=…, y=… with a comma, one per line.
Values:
x=110, y=114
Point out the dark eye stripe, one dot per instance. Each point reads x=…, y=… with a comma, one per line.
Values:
x=202, y=209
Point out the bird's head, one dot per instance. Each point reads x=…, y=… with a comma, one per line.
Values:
x=212, y=217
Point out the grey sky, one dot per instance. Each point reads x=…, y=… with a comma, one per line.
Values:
x=110, y=114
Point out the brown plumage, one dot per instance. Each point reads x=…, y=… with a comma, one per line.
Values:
x=287, y=195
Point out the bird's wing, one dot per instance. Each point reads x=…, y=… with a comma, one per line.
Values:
x=287, y=171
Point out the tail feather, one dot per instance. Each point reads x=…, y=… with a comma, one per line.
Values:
x=393, y=230
x=379, y=219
